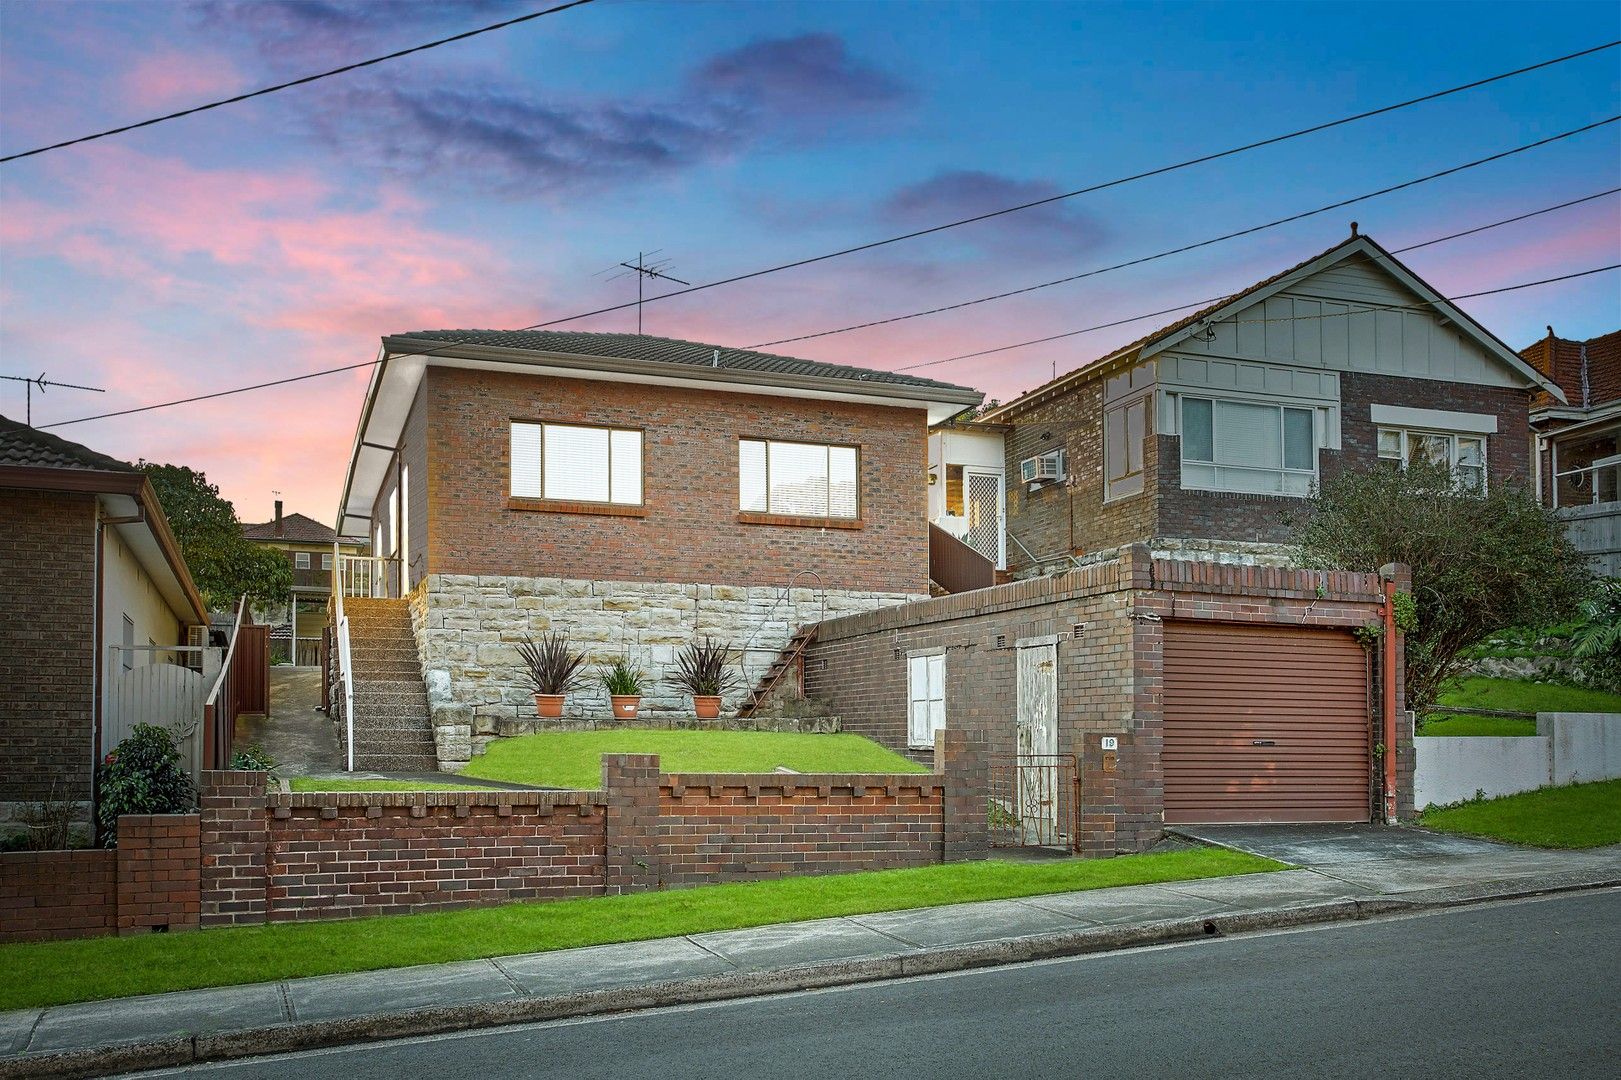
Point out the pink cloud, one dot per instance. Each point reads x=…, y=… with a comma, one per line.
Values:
x=168, y=79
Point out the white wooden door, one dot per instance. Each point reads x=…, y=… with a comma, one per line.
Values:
x=926, y=698
x=983, y=501
x=1036, y=766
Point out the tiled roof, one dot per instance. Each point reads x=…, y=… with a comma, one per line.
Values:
x=295, y=528
x=669, y=351
x=1589, y=372
x=30, y=447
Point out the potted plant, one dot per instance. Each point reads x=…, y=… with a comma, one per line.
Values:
x=553, y=670
x=624, y=686
x=701, y=670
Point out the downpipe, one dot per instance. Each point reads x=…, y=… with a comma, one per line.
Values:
x=1388, y=684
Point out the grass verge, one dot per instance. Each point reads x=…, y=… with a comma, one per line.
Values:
x=573, y=759
x=1437, y=724
x=1578, y=816
x=309, y=783
x=1522, y=695
x=90, y=969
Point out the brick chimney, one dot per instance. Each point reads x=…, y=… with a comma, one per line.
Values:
x=278, y=518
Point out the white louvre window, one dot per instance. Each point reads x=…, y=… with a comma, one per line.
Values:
x=1247, y=446
x=1464, y=455
x=798, y=479
x=301, y=560
x=576, y=463
x=926, y=698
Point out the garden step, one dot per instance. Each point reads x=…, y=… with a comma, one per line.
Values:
x=375, y=667
x=397, y=762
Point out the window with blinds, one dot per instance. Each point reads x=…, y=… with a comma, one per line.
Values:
x=1230, y=445
x=576, y=463
x=798, y=479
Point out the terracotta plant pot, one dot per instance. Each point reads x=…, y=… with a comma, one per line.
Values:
x=549, y=705
x=706, y=706
x=625, y=705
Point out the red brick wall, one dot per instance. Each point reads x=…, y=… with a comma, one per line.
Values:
x=47, y=645
x=384, y=853
x=690, y=531
x=719, y=827
x=58, y=894
x=232, y=841
x=159, y=881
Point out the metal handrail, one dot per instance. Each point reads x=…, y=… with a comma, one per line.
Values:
x=787, y=595
x=1037, y=559
x=345, y=664
x=230, y=654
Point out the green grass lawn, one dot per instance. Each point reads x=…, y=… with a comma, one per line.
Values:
x=1510, y=695
x=56, y=972
x=306, y=783
x=573, y=759
x=1578, y=816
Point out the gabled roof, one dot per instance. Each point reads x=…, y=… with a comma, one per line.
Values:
x=296, y=529
x=1588, y=371
x=662, y=350
x=32, y=448
x=1354, y=245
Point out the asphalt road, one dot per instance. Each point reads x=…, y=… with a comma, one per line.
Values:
x=1522, y=989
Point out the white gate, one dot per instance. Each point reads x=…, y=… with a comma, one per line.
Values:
x=1038, y=782
x=155, y=690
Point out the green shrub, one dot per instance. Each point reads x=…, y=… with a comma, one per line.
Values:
x=620, y=678
x=252, y=758
x=142, y=775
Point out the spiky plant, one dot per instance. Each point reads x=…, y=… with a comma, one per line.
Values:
x=702, y=670
x=620, y=679
x=552, y=667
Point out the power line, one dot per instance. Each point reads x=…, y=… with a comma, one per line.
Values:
x=298, y=82
x=930, y=363
x=1230, y=296
x=1104, y=185
x=1194, y=246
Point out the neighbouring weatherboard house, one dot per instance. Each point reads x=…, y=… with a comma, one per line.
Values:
x=92, y=586
x=635, y=493
x=1201, y=437
x=1578, y=441
x=310, y=547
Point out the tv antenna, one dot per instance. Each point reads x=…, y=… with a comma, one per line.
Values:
x=42, y=382
x=646, y=267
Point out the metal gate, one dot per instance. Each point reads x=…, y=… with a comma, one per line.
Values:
x=1035, y=801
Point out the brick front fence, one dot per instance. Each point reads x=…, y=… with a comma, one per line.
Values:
x=250, y=856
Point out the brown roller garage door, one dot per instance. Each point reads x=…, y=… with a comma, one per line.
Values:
x=1264, y=723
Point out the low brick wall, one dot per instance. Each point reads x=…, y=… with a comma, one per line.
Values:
x=58, y=894
x=150, y=882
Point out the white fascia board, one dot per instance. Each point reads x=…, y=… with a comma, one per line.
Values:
x=143, y=544
x=1434, y=419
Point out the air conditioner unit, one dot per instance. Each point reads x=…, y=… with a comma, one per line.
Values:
x=1042, y=468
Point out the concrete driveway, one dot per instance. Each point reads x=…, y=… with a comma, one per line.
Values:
x=1398, y=858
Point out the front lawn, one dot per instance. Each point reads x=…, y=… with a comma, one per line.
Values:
x=89, y=969
x=1577, y=816
x=1510, y=695
x=309, y=783
x=573, y=759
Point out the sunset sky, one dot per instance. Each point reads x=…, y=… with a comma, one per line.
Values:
x=484, y=184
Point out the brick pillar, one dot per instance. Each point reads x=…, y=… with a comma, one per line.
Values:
x=1402, y=576
x=1120, y=794
x=158, y=881
x=235, y=833
x=631, y=783
x=962, y=756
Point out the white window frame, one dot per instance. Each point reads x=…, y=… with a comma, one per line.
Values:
x=301, y=560
x=1219, y=468
x=326, y=561
x=925, y=697
x=829, y=448
x=542, y=425
x=1404, y=435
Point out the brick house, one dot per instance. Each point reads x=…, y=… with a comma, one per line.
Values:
x=91, y=575
x=635, y=493
x=310, y=547
x=1200, y=437
x=1578, y=440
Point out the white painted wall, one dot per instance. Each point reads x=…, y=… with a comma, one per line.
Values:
x=1584, y=746
x=127, y=589
x=1569, y=748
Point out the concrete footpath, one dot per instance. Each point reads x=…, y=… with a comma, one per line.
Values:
x=1356, y=872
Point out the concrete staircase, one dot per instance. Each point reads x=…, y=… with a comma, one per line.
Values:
x=392, y=729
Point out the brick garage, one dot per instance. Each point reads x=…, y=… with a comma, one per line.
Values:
x=1106, y=622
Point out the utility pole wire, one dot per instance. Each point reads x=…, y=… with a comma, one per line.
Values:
x=296, y=82
x=1104, y=185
